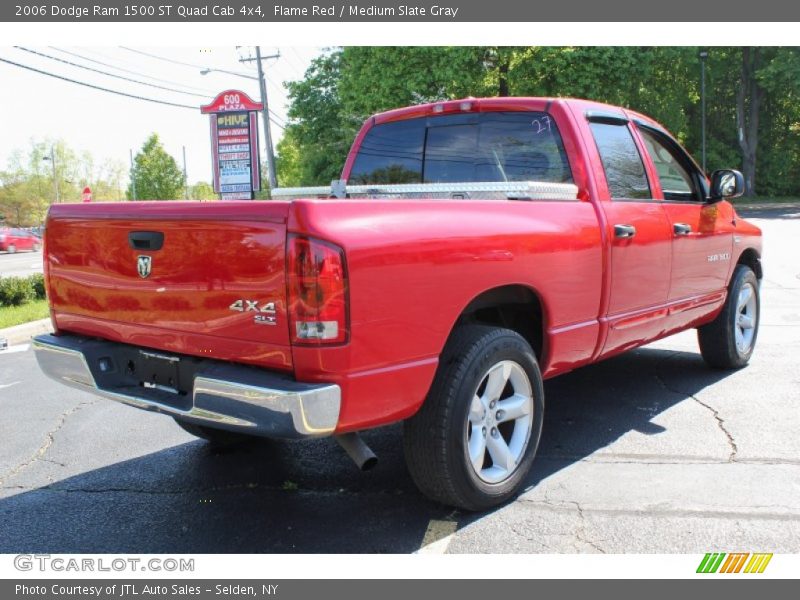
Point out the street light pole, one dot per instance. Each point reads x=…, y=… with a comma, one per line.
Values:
x=133, y=177
x=185, y=178
x=703, y=56
x=52, y=159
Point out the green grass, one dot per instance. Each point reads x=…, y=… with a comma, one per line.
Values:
x=15, y=315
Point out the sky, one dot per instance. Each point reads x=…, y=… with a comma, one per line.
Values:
x=39, y=107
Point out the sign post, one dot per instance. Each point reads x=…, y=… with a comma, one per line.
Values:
x=234, y=144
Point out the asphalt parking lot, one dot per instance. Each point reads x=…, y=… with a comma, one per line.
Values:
x=20, y=264
x=647, y=452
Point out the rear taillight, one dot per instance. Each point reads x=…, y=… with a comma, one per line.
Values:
x=316, y=276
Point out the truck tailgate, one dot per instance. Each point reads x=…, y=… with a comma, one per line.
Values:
x=204, y=279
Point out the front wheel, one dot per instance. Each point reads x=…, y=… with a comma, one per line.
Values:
x=728, y=341
x=474, y=440
x=11, y=249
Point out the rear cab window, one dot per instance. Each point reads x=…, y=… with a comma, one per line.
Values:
x=474, y=147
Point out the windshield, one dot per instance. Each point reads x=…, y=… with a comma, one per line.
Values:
x=474, y=147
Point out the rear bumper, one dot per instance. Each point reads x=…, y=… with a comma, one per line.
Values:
x=217, y=394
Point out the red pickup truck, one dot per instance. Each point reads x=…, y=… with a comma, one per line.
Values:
x=472, y=248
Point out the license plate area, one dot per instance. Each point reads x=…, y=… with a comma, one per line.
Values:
x=163, y=378
x=160, y=372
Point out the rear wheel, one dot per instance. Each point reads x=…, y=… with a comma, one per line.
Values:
x=11, y=249
x=728, y=341
x=216, y=437
x=474, y=440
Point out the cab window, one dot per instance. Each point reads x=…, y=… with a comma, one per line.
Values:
x=622, y=163
x=677, y=182
x=467, y=147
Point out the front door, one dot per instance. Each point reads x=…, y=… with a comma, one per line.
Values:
x=702, y=232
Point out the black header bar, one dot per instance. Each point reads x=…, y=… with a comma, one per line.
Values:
x=254, y=11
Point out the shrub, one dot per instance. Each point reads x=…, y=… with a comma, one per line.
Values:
x=37, y=281
x=16, y=290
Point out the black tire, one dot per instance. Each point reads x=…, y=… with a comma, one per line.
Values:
x=219, y=438
x=435, y=439
x=11, y=249
x=717, y=339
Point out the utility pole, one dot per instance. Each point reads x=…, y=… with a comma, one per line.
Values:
x=185, y=179
x=273, y=178
x=133, y=177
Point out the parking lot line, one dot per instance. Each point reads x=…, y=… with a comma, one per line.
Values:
x=437, y=537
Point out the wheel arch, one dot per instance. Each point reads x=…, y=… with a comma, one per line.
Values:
x=515, y=306
x=752, y=259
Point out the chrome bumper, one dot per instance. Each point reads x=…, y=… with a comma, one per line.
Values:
x=222, y=395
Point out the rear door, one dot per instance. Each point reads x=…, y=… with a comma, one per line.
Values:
x=702, y=233
x=640, y=237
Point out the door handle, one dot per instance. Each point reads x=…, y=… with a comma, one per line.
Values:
x=146, y=240
x=682, y=228
x=624, y=231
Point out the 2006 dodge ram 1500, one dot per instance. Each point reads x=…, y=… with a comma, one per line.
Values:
x=471, y=248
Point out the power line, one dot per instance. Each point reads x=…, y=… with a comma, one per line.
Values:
x=273, y=119
x=174, y=61
x=124, y=70
x=93, y=70
x=97, y=87
x=197, y=66
x=165, y=59
x=277, y=88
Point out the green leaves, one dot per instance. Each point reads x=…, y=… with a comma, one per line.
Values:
x=347, y=85
x=156, y=174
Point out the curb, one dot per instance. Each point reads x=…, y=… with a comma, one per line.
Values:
x=20, y=334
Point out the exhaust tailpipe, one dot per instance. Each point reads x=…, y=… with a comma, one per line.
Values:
x=356, y=449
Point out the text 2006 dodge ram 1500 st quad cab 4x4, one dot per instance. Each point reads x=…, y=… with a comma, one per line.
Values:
x=471, y=249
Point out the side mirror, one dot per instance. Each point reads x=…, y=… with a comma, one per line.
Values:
x=726, y=183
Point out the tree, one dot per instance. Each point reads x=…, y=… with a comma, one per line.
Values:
x=289, y=159
x=27, y=187
x=202, y=191
x=748, y=106
x=155, y=173
x=753, y=98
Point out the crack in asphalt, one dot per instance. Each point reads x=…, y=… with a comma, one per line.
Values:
x=733, y=512
x=580, y=532
x=46, y=444
x=734, y=449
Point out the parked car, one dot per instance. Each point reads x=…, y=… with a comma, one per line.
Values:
x=472, y=249
x=12, y=240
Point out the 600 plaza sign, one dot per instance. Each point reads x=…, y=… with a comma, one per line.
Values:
x=234, y=145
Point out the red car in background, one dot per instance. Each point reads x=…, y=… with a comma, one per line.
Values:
x=12, y=240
